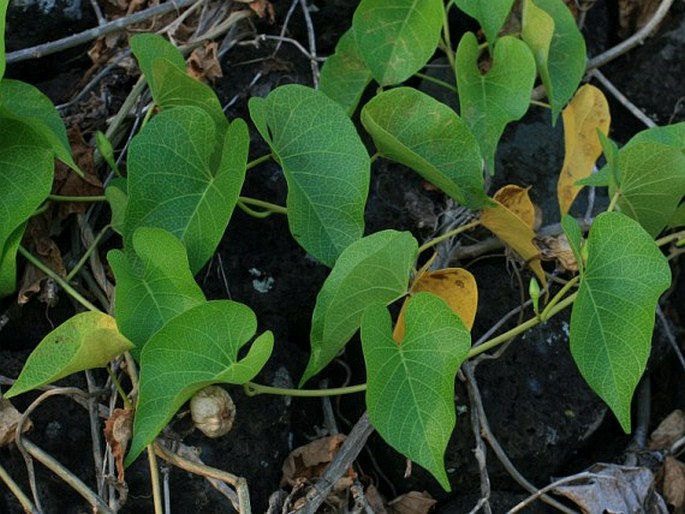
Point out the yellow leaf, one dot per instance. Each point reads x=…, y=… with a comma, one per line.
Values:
x=585, y=113
x=454, y=285
x=512, y=220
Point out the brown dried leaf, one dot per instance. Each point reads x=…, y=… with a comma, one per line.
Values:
x=557, y=248
x=512, y=220
x=203, y=63
x=413, y=502
x=634, y=14
x=673, y=484
x=37, y=239
x=587, y=111
x=375, y=499
x=68, y=183
x=9, y=419
x=118, y=431
x=263, y=8
x=309, y=461
x=669, y=431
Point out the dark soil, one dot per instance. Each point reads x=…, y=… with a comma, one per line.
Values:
x=543, y=414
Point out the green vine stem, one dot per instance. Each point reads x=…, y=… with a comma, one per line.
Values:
x=557, y=297
x=532, y=322
x=436, y=81
x=540, y=104
x=154, y=479
x=61, y=198
x=59, y=280
x=448, y=235
x=258, y=161
x=89, y=251
x=252, y=389
x=271, y=207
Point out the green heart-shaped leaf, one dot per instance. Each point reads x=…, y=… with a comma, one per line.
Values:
x=397, y=37
x=344, y=75
x=416, y=130
x=651, y=169
x=613, y=315
x=195, y=349
x=410, y=394
x=153, y=286
x=559, y=49
x=491, y=14
x=489, y=102
x=26, y=171
x=85, y=341
x=179, y=181
x=325, y=164
x=374, y=269
x=23, y=102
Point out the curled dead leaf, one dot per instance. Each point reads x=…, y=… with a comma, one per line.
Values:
x=9, y=420
x=673, y=484
x=413, y=502
x=557, y=248
x=669, y=431
x=118, y=431
x=203, y=63
x=309, y=461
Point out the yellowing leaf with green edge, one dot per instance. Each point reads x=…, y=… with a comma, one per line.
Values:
x=561, y=58
x=514, y=225
x=87, y=340
x=410, y=394
x=587, y=112
x=613, y=315
x=454, y=285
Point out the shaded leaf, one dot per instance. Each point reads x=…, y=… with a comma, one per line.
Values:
x=678, y=217
x=22, y=102
x=490, y=101
x=410, y=395
x=587, y=113
x=344, y=75
x=374, y=269
x=193, y=350
x=85, y=341
x=413, y=502
x=325, y=164
x=154, y=284
x=613, y=315
x=574, y=236
x=651, y=176
x=117, y=197
x=561, y=56
x=396, y=38
x=178, y=183
x=416, y=130
x=26, y=172
x=491, y=14
x=511, y=220
x=456, y=286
